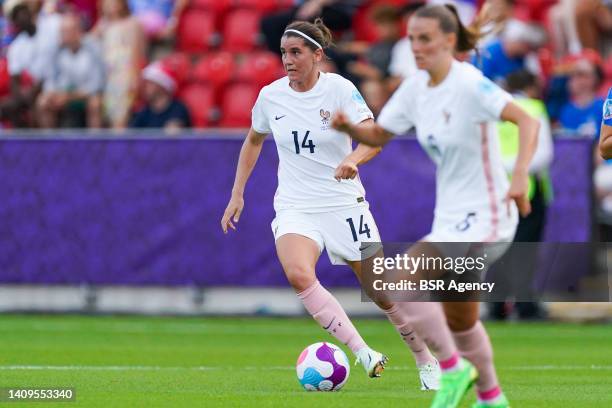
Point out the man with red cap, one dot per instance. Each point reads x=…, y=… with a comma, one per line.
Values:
x=162, y=109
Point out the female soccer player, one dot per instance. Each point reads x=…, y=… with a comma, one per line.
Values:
x=454, y=107
x=605, y=138
x=320, y=201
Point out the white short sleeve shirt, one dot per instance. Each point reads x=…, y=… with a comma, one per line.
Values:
x=455, y=125
x=309, y=150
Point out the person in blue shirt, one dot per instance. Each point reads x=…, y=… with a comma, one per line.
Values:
x=503, y=56
x=582, y=115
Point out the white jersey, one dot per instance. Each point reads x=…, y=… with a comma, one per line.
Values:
x=455, y=125
x=309, y=150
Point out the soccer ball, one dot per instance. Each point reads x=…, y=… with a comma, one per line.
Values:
x=322, y=367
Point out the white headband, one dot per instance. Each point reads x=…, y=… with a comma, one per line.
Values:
x=305, y=36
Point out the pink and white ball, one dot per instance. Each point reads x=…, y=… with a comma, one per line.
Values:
x=322, y=367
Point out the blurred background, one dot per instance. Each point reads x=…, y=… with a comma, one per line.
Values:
x=121, y=123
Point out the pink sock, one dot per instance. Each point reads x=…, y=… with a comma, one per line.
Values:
x=419, y=349
x=450, y=364
x=474, y=344
x=428, y=319
x=490, y=395
x=326, y=310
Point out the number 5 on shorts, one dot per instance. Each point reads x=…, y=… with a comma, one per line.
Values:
x=363, y=228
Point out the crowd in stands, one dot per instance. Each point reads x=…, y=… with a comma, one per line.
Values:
x=201, y=63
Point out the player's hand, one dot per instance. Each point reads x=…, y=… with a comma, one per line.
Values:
x=346, y=170
x=341, y=122
x=519, y=188
x=232, y=213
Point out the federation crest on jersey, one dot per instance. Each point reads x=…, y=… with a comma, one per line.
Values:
x=607, y=111
x=486, y=86
x=357, y=97
x=325, y=116
x=447, y=116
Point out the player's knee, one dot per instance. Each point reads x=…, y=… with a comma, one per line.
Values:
x=300, y=277
x=460, y=323
x=384, y=305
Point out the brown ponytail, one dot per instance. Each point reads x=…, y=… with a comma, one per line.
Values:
x=317, y=31
x=448, y=18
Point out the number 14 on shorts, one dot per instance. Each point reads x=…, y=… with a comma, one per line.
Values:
x=363, y=228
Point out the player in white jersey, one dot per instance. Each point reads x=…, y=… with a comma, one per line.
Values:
x=453, y=108
x=320, y=201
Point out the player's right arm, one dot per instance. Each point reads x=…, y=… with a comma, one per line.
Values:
x=394, y=119
x=249, y=153
x=370, y=134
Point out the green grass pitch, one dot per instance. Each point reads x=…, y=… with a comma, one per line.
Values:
x=233, y=362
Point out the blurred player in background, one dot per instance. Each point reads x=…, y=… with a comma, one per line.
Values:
x=525, y=89
x=320, y=201
x=454, y=109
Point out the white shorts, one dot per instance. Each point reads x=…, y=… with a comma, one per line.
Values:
x=340, y=232
x=469, y=229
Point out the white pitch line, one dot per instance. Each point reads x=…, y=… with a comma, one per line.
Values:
x=268, y=368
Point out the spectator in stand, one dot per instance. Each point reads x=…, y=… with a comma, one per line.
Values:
x=402, y=63
x=580, y=24
x=498, y=14
x=582, y=115
x=162, y=109
x=48, y=38
x=86, y=10
x=6, y=34
x=465, y=8
x=512, y=52
x=159, y=18
x=526, y=91
x=21, y=57
x=123, y=50
x=73, y=90
x=593, y=22
x=371, y=68
x=337, y=14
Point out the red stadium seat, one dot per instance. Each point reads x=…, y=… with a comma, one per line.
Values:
x=217, y=6
x=260, y=68
x=238, y=100
x=180, y=65
x=363, y=26
x=241, y=31
x=285, y=4
x=534, y=10
x=5, y=78
x=200, y=101
x=216, y=69
x=196, y=31
x=607, y=67
x=264, y=6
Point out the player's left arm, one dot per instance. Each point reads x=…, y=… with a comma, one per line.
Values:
x=362, y=154
x=528, y=139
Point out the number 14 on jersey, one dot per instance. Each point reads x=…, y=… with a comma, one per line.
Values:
x=363, y=228
x=310, y=145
